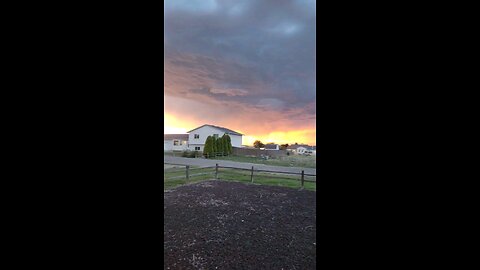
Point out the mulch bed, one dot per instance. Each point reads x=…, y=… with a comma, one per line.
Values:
x=232, y=225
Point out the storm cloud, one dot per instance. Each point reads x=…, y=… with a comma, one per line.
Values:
x=253, y=57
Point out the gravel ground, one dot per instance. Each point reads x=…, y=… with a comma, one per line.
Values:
x=232, y=225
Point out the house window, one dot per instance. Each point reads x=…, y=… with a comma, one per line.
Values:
x=215, y=136
x=175, y=142
x=197, y=148
x=196, y=136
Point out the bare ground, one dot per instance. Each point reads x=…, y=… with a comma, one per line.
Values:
x=232, y=225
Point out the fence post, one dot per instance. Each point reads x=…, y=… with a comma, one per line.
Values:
x=303, y=178
x=216, y=171
x=187, y=172
x=251, y=176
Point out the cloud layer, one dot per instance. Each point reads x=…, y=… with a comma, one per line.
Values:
x=246, y=65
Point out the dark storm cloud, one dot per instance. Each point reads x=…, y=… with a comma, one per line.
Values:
x=254, y=53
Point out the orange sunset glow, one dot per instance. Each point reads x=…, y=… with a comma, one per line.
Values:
x=227, y=65
x=175, y=125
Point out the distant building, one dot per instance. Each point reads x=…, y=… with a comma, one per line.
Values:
x=302, y=149
x=294, y=148
x=272, y=146
x=197, y=136
x=175, y=142
x=308, y=150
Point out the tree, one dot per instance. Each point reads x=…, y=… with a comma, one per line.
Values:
x=214, y=145
x=228, y=141
x=219, y=143
x=206, y=146
x=208, y=149
x=258, y=144
x=223, y=141
x=284, y=146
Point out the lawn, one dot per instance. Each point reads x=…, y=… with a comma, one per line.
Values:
x=262, y=178
x=287, y=161
x=178, y=175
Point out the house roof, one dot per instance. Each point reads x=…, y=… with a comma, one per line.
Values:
x=226, y=130
x=168, y=137
x=271, y=146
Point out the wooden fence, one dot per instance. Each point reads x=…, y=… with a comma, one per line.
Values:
x=188, y=173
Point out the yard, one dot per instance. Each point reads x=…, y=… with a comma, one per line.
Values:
x=175, y=176
x=287, y=161
x=233, y=225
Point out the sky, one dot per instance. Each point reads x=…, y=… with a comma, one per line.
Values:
x=247, y=65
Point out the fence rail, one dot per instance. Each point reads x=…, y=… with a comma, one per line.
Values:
x=252, y=171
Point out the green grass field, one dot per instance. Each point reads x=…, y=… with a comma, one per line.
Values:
x=262, y=178
x=287, y=161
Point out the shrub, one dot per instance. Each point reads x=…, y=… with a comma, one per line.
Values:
x=185, y=154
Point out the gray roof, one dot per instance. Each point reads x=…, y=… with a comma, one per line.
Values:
x=168, y=137
x=271, y=146
x=225, y=130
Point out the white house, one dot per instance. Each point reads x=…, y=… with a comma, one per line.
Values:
x=175, y=142
x=301, y=150
x=294, y=148
x=197, y=136
x=307, y=150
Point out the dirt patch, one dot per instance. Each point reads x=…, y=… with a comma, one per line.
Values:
x=231, y=225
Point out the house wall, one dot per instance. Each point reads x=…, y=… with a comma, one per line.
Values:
x=301, y=150
x=203, y=132
x=192, y=147
x=168, y=145
x=206, y=131
x=236, y=140
x=276, y=148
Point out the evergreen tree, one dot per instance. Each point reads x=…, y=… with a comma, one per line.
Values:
x=218, y=145
x=208, y=148
x=223, y=145
x=228, y=143
x=214, y=145
x=205, y=147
